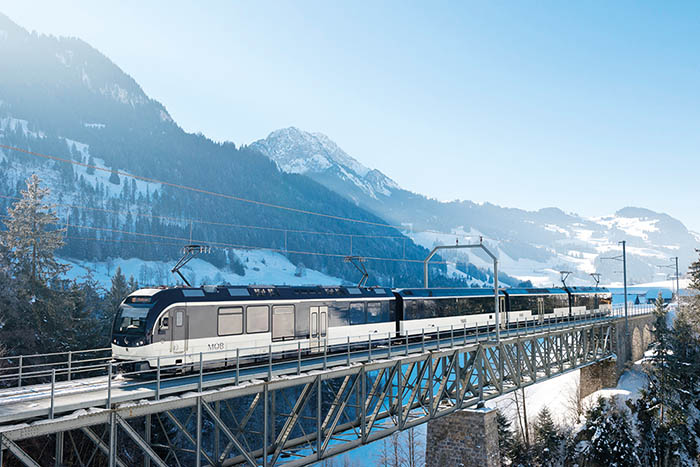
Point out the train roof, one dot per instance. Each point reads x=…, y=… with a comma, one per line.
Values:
x=422, y=293
x=588, y=290
x=253, y=292
x=534, y=291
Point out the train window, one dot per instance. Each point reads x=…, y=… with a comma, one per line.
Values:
x=179, y=318
x=339, y=314
x=430, y=309
x=354, y=291
x=230, y=321
x=283, y=322
x=357, y=313
x=374, y=313
x=301, y=323
x=413, y=309
x=257, y=319
x=193, y=292
x=238, y=292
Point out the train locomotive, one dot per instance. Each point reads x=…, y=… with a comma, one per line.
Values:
x=172, y=326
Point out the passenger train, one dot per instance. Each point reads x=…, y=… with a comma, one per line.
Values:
x=178, y=323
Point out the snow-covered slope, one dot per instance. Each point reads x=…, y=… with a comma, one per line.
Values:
x=261, y=267
x=531, y=245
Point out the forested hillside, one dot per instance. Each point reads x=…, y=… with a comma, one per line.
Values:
x=61, y=97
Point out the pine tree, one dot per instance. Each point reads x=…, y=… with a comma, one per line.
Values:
x=694, y=272
x=114, y=177
x=548, y=439
x=505, y=437
x=31, y=237
x=91, y=166
x=608, y=433
x=117, y=293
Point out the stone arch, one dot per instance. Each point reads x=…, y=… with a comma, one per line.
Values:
x=637, y=349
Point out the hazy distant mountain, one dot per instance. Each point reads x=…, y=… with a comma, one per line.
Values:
x=531, y=244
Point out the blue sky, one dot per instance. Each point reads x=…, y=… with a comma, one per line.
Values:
x=587, y=106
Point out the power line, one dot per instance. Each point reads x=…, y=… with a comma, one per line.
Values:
x=223, y=245
x=198, y=190
x=237, y=198
x=222, y=224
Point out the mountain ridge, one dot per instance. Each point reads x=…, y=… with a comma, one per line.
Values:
x=535, y=243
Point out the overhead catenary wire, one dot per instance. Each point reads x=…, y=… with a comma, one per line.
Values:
x=224, y=245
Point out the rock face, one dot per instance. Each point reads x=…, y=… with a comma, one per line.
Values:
x=466, y=437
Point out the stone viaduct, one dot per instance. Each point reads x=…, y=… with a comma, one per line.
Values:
x=470, y=437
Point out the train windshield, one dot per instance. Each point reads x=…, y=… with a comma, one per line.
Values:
x=131, y=319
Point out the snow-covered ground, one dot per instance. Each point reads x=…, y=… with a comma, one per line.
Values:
x=261, y=267
x=557, y=394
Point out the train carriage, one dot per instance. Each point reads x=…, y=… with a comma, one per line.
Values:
x=587, y=301
x=535, y=304
x=424, y=310
x=177, y=323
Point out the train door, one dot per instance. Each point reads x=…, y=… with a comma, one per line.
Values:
x=318, y=326
x=178, y=324
x=504, y=315
x=540, y=309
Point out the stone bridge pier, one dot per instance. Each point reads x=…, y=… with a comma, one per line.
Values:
x=630, y=347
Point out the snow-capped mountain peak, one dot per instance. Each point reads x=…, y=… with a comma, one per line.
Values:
x=315, y=154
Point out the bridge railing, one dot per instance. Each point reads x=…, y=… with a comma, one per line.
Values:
x=228, y=367
x=23, y=370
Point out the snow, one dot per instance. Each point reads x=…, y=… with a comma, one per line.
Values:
x=300, y=152
x=558, y=394
x=164, y=116
x=16, y=124
x=3, y=34
x=634, y=226
x=628, y=387
x=261, y=267
x=66, y=58
x=556, y=228
x=668, y=284
x=120, y=94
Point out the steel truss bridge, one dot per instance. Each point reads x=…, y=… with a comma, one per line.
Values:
x=289, y=409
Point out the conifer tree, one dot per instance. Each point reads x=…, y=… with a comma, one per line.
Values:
x=114, y=177
x=31, y=236
x=117, y=293
x=609, y=434
x=548, y=439
x=505, y=437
